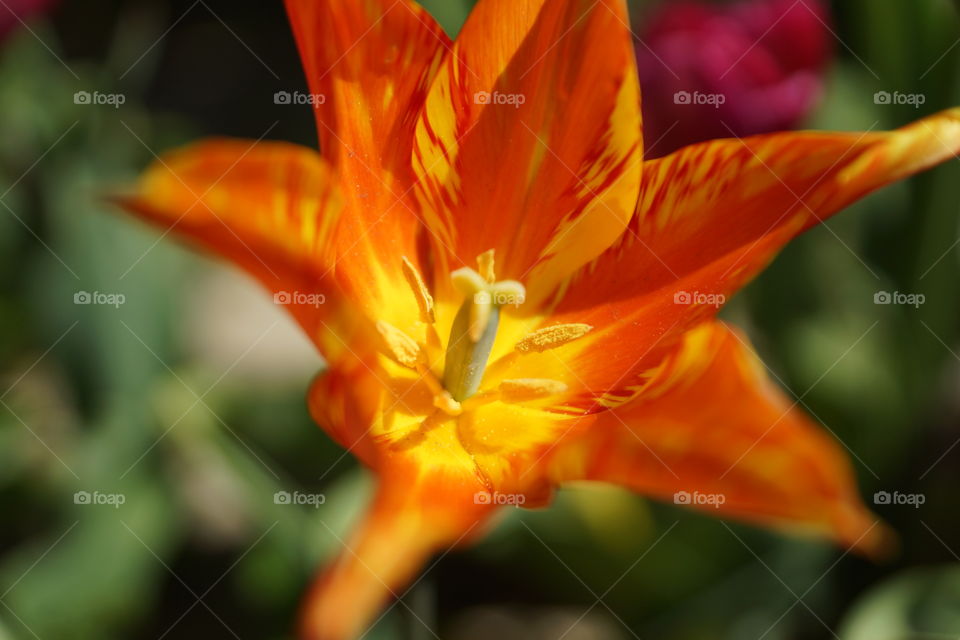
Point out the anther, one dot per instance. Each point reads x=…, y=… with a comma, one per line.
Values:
x=420, y=291
x=523, y=389
x=552, y=337
x=486, y=264
x=404, y=349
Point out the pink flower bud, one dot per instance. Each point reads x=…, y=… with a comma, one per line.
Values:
x=12, y=12
x=718, y=71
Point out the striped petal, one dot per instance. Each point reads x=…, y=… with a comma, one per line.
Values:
x=429, y=498
x=383, y=414
x=268, y=207
x=710, y=217
x=369, y=64
x=414, y=514
x=529, y=142
x=717, y=435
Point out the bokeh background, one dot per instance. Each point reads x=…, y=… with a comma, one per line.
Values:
x=184, y=400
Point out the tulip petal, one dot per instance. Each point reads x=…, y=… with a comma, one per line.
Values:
x=427, y=497
x=710, y=217
x=718, y=431
x=268, y=207
x=507, y=442
x=383, y=413
x=369, y=64
x=529, y=142
x=414, y=514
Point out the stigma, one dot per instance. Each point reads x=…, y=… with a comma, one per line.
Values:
x=475, y=325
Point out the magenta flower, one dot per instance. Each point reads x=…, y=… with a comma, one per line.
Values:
x=12, y=12
x=714, y=71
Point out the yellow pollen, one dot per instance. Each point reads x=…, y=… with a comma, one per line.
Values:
x=522, y=389
x=552, y=337
x=420, y=291
x=445, y=402
x=486, y=264
x=404, y=348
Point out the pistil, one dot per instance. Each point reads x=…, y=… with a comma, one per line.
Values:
x=474, y=328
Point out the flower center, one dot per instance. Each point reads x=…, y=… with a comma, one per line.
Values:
x=471, y=341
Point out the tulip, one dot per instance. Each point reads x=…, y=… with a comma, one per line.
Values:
x=510, y=297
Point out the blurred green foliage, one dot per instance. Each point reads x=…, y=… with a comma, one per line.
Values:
x=118, y=400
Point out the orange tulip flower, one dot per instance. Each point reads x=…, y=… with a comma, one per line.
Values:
x=514, y=298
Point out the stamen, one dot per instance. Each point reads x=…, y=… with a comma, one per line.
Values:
x=405, y=349
x=486, y=264
x=445, y=402
x=420, y=291
x=552, y=337
x=522, y=389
